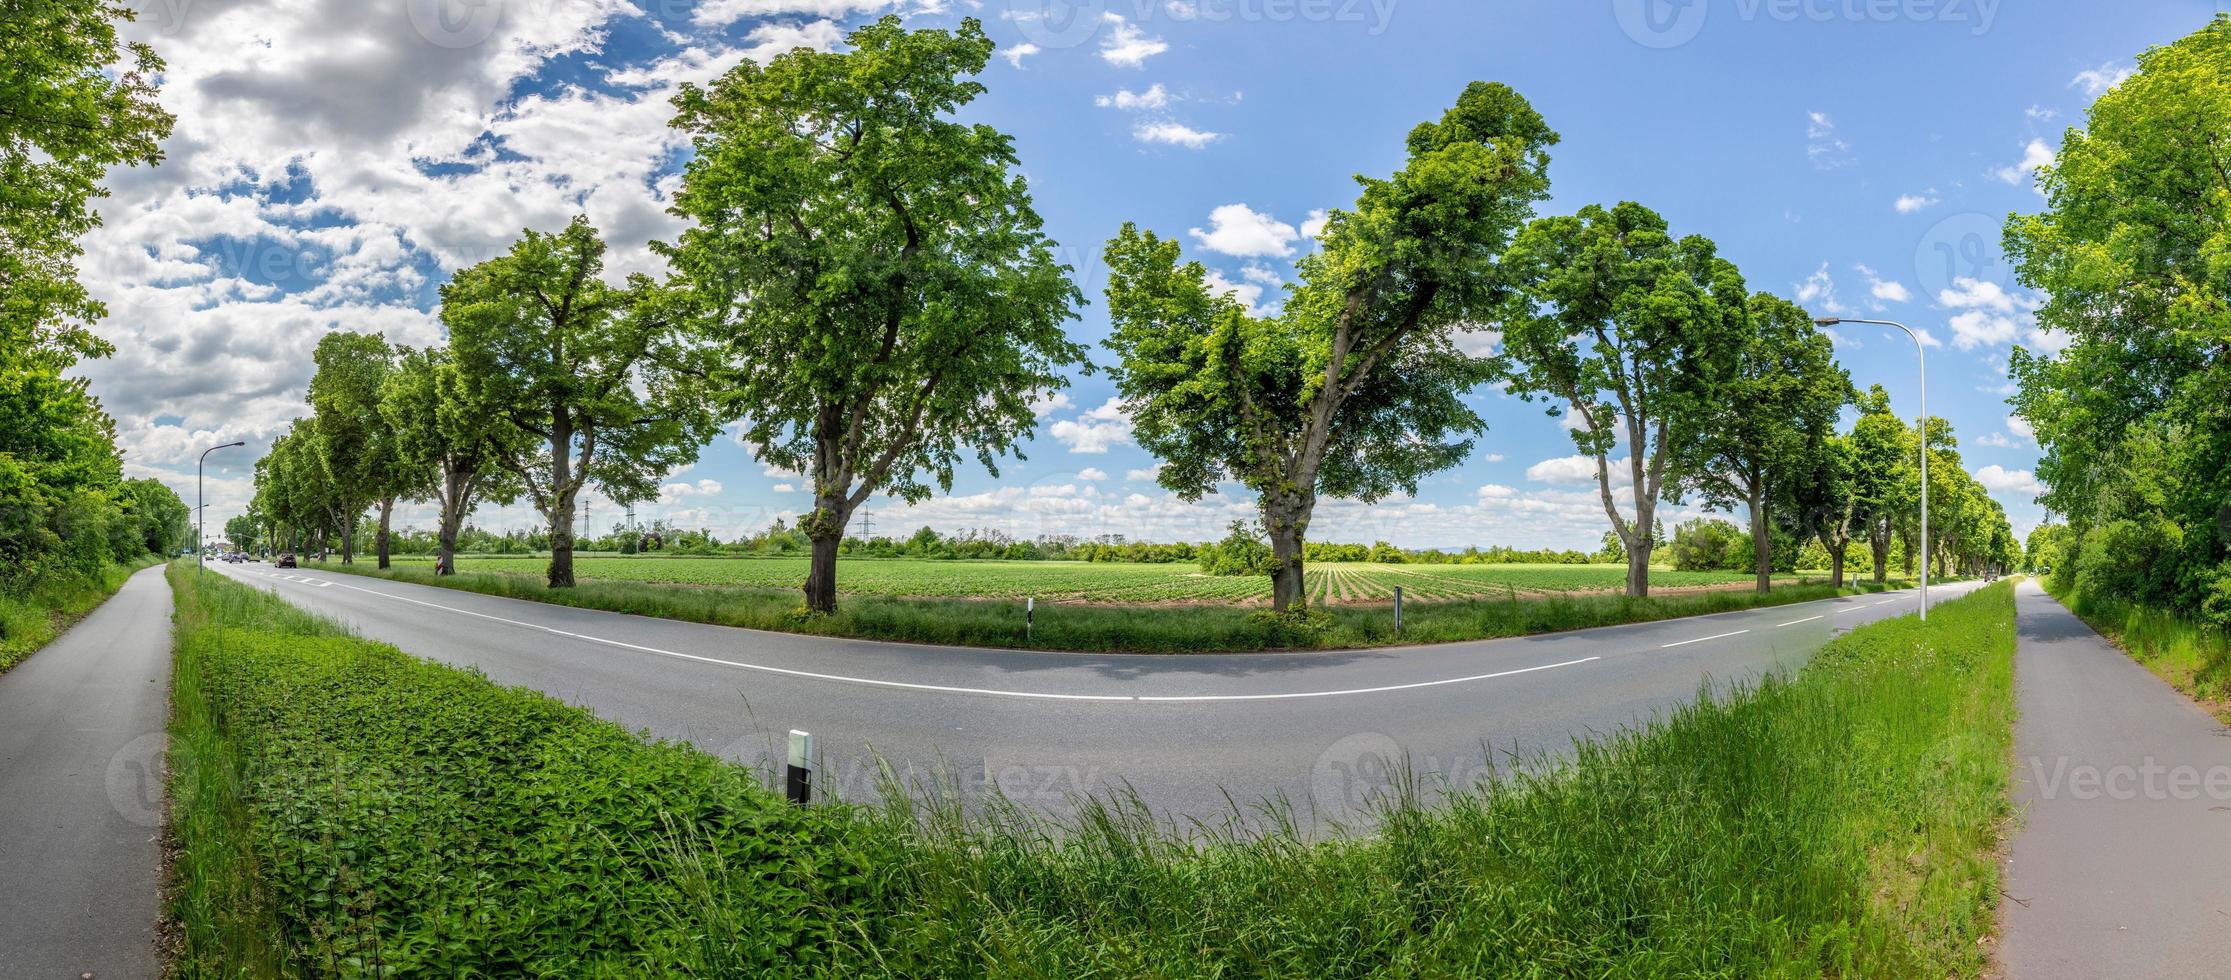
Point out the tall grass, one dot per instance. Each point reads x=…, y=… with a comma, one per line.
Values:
x=43, y=607
x=1190, y=628
x=2193, y=657
x=403, y=817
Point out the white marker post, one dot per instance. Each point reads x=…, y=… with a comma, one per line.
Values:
x=1030, y=616
x=1398, y=609
x=799, y=785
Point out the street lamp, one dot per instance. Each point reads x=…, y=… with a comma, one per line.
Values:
x=201, y=519
x=1921, y=349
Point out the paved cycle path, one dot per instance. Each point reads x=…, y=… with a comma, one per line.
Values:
x=2122, y=867
x=81, y=743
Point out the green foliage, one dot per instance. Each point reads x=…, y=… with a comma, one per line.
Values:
x=595, y=384
x=1629, y=329
x=2050, y=547
x=1241, y=553
x=398, y=817
x=1354, y=388
x=35, y=612
x=877, y=277
x=2130, y=254
x=1707, y=545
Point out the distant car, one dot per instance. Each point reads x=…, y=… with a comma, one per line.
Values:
x=286, y=560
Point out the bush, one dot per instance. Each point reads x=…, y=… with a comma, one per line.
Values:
x=2133, y=560
x=1707, y=545
x=1240, y=553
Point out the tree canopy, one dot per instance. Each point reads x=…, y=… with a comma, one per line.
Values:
x=879, y=285
x=1354, y=388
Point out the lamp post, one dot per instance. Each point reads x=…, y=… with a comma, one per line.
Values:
x=1921, y=349
x=201, y=518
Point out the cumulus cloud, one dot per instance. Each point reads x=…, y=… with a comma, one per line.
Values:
x=1095, y=432
x=1987, y=314
x=1887, y=290
x=2036, y=156
x=1124, y=45
x=2096, y=81
x=1174, y=134
x=1092, y=474
x=1241, y=231
x=1579, y=471
x=1914, y=203
x=1017, y=53
x=1999, y=479
x=1155, y=97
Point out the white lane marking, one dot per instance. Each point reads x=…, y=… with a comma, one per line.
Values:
x=1886, y=602
x=1371, y=690
x=1703, y=639
x=904, y=685
x=1800, y=621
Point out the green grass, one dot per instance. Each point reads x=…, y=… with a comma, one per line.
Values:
x=1184, y=628
x=391, y=816
x=1103, y=582
x=51, y=603
x=2191, y=656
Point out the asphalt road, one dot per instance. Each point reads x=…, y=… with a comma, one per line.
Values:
x=81, y=783
x=1315, y=730
x=2123, y=864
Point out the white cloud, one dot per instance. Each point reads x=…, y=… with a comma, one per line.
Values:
x=1314, y=227
x=1579, y=471
x=2036, y=156
x=2002, y=480
x=1016, y=54
x=1494, y=457
x=721, y=13
x=1827, y=150
x=1996, y=441
x=1497, y=491
x=2021, y=427
x=1988, y=314
x=1092, y=473
x=785, y=488
x=1888, y=290
x=1912, y=203
x=1096, y=431
x=1818, y=293
x=675, y=492
x=1147, y=475
x=2096, y=81
x=1174, y=134
x=1126, y=46
x=1047, y=403
x=1238, y=230
x=1155, y=97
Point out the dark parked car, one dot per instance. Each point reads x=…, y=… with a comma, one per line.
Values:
x=286, y=560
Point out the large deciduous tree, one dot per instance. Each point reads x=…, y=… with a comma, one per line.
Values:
x=1355, y=388
x=462, y=442
x=354, y=442
x=2132, y=254
x=1764, y=422
x=1629, y=329
x=597, y=383
x=878, y=278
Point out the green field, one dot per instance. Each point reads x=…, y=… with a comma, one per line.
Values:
x=1068, y=581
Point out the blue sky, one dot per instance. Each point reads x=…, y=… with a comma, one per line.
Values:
x=335, y=161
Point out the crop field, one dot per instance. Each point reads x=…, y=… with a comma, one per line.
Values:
x=1064, y=581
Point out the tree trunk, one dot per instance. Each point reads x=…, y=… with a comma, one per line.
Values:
x=561, y=544
x=1286, y=575
x=1638, y=566
x=380, y=543
x=1836, y=567
x=348, y=542
x=821, y=577
x=1878, y=541
x=1762, y=543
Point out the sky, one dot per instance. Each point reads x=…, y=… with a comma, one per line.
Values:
x=335, y=160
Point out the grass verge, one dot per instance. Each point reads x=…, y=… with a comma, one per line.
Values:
x=1191, y=628
x=51, y=604
x=393, y=815
x=2193, y=657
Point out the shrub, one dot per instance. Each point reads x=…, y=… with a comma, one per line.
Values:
x=2134, y=560
x=1707, y=545
x=1240, y=553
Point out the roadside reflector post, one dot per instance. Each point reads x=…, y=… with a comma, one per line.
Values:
x=799, y=785
x=1398, y=609
x=1030, y=616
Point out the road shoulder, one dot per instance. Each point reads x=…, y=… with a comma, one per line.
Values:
x=81, y=766
x=2123, y=864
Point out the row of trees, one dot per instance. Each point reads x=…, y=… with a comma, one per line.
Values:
x=2135, y=414
x=865, y=290
x=74, y=102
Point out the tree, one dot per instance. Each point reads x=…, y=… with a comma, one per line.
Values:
x=597, y=383
x=440, y=428
x=1355, y=388
x=159, y=517
x=355, y=443
x=1629, y=329
x=1764, y=422
x=2130, y=253
x=73, y=103
x=877, y=275
x=242, y=530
